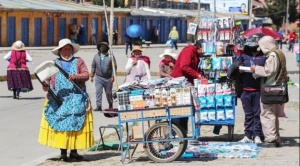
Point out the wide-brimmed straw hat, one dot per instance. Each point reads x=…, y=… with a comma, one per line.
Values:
x=64, y=42
x=168, y=52
x=18, y=45
x=137, y=48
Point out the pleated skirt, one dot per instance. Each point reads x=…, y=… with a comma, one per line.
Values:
x=82, y=139
x=19, y=79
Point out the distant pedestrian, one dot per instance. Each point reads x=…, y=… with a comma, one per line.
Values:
x=128, y=43
x=74, y=30
x=82, y=35
x=115, y=37
x=102, y=70
x=279, y=41
x=94, y=36
x=173, y=35
x=18, y=75
x=154, y=35
x=167, y=64
x=292, y=39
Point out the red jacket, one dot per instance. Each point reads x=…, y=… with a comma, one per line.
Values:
x=187, y=64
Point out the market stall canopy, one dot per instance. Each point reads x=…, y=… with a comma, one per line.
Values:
x=264, y=31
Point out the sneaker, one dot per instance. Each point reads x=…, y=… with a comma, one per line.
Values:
x=257, y=140
x=246, y=140
x=98, y=109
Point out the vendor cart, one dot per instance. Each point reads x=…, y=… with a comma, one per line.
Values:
x=164, y=140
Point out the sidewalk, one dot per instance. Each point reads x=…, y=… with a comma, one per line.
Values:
x=287, y=155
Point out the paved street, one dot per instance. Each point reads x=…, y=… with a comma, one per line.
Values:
x=20, y=119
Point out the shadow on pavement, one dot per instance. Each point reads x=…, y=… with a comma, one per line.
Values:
x=100, y=155
x=222, y=138
x=290, y=141
x=31, y=98
x=6, y=97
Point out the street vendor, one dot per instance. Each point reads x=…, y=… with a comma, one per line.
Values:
x=187, y=65
x=138, y=66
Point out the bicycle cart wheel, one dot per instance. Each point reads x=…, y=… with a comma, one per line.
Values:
x=230, y=132
x=161, y=150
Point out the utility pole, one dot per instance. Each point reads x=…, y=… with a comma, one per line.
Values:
x=198, y=20
x=250, y=14
x=287, y=16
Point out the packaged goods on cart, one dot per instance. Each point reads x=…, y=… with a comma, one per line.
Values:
x=155, y=93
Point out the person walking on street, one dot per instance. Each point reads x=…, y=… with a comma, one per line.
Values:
x=69, y=125
x=82, y=35
x=115, y=37
x=173, y=35
x=137, y=66
x=251, y=92
x=166, y=65
x=292, y=39
x=128, y=44
x=18, y=75
x=187, y=65
x=102, y=70
x=279, y=41
x=154, y=34
x=274, y=71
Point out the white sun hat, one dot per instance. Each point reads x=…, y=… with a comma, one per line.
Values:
x=168, y=52
x=18, y=45
x=64, y=42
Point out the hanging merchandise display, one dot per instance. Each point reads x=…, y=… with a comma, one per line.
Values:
x=216, y=96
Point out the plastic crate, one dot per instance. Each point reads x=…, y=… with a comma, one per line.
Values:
x=123, y=98
x=180, y=111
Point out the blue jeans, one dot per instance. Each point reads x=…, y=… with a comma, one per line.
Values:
x=174, y=43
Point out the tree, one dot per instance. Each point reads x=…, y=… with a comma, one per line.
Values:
x=276, y=10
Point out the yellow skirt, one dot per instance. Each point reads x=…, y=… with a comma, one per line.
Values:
x=82, y=139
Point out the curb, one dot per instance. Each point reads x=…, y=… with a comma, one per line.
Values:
x=120, y=74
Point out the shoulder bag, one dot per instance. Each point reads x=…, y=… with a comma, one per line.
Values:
x=274, y=94
x=277, y=93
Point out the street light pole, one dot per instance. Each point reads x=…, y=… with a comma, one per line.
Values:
x=287, y=16
x=198, y=20
x=250, y=13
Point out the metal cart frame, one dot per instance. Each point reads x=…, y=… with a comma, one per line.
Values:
x=168, y=118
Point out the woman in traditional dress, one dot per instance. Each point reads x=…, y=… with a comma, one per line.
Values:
x=69, y=125
x=138, y=66
x=166, y=65
x=18, y=75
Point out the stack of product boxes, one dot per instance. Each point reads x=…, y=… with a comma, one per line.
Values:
x=216, y=102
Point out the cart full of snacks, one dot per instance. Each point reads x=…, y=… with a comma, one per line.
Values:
x=147, y=114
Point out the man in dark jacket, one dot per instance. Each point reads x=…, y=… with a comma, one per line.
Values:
x=187, y=65
x=251, y=92
x=102, y=70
